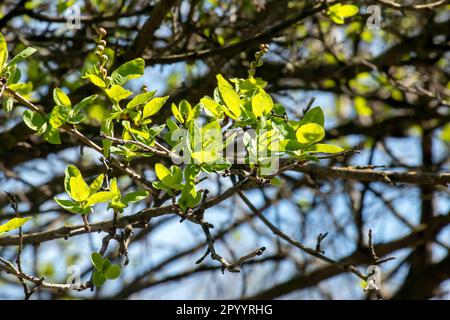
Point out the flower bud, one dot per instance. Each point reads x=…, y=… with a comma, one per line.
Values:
x=101, y=32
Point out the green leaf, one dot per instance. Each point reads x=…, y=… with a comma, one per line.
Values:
x=129, y=70
x=324, y=148
x=140, y=99
x=8, y=104
x=3, y=52
x=96, y=184
x=12, y=224
x=314, y=115
x=262, y=104
x=189, y=196
x=71, y=171
x=361, y=107
x=51, y=135
x=70, y=205
x=98, y=278
x=288, y=145
x=97, y=260
x=153, y=106
x=113, y=272
x=177, y=114
x=135, y=196
x=61, y=98
x=310, y=133
x=84, y=103
x=22, y=55
x=102, y=196
x=114, y=188
x=96, y=80
x=107, y=128
x=211, y=107
x=162, y=172
x=339, y=12
x=232, y=101
x=445, y=134
x=116, y=93
x=59, y=115
x=79, y=190
x=33, y=120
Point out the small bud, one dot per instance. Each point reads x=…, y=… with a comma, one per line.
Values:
x=100, y=48
x=102, y=43
x=101, y=32
x=105, y=57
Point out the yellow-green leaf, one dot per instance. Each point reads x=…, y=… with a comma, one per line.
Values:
x=361, y=107
x=3, y=51
x=339, y=12
x=114, y=188
x=61, y=98
x=262, y=104
x=161, y=171
x=79, y=190
x=232, y=101
x=324, y=148
x=176, y=113
x=12, y=224
x=96, y=184
x=153, y=106
x=212, y=107
x=117, y=93
x=99, y=197
x=96, y=80
x=310, y=133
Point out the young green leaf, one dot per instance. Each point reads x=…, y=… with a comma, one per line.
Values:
x=324, y=148
x=339, y=12
x=262, y=104
x=96, y=184
x=59, y=115
x=310, y=133
x=102, y=196
x=22, y=55
x=211, y=107
x=84, y=103
x=96, y=80
x=33, y=120
x=79, y=190
x=153, y=106
x=135, y=196
x=12, y=224
x=98, y=278
x=232, y=101
x=8, y=104
x=97, y=261
x=140, y=99
x=3, y=52
x=113, y=272
x=129, y=70
x=117, y=93
x=51, y=135
x=70, y=206
x=314, y=115
x=61, y=98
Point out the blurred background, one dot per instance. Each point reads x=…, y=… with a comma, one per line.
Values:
x=381, y=77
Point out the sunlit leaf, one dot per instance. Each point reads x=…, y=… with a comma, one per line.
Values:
x=79, y=190
x=324, y=148
x=61, y=98
x=12, y=224
x=310, y=133
x=262, y=104
x=153, y=106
